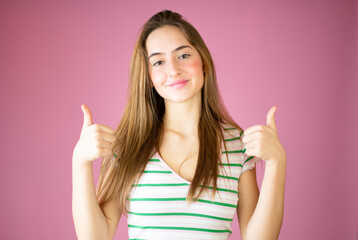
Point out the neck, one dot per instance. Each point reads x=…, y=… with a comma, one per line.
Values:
x=183, y=117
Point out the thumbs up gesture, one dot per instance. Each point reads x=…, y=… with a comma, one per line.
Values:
x=262, y=141
x=96, y=140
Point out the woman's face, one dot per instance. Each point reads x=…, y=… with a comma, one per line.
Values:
x=175, y=66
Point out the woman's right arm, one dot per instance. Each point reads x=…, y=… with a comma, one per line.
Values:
x=90, y=223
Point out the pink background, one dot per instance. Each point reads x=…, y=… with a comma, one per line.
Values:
x=298, y=55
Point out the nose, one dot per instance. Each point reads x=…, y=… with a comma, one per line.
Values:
x=173, y=68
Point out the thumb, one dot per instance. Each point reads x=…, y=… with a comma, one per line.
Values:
x=87, y=116
x=271, y=118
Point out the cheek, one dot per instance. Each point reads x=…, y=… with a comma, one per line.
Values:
x=195, y=66
x=157, y=78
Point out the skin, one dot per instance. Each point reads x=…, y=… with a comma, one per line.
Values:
x=180, y=144
x=168, y=63
x=95, y=142
x=267, y=215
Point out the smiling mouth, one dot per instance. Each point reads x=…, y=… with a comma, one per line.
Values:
x=178, y=82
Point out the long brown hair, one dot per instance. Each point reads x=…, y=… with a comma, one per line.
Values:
x=139, y=131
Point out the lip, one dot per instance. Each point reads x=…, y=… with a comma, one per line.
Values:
x=182, y=81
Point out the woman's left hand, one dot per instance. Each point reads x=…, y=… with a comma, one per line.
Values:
x=262, y=141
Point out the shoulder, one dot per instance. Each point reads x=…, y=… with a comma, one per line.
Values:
x=232, y=146
x=232, y=134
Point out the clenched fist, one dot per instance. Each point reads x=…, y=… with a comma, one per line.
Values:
x=96, y=140
x=262, y=140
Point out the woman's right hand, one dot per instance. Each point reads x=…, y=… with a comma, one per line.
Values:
x=96, y=140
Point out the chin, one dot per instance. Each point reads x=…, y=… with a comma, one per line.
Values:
x=178, y=99
x=181, y=98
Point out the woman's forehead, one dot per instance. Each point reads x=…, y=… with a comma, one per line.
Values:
x=165, y=40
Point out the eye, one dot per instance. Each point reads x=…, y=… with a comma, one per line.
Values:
x=184, y=56
x=158, y=63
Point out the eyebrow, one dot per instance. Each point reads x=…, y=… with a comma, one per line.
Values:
x=175, y=50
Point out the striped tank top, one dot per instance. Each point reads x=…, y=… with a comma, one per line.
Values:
x=157, y=204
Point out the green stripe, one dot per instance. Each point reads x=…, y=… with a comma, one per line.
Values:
x=182, y=214
x=218, y=203
x=181, y=199
x=233, y=178
x=232, y=139
x=235, y=151
x=222, y=189
x=178, y=184
x=154, y=160
x=248, y=159
x=169, y=172
x=231, y=164
x=157, y=171
x=180, y=228
x=229, y=128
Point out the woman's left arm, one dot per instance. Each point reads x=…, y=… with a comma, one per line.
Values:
x=262, y=141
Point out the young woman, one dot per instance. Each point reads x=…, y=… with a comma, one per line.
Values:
x=178, y=166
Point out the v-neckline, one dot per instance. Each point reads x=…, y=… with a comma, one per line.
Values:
x=170, y=169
